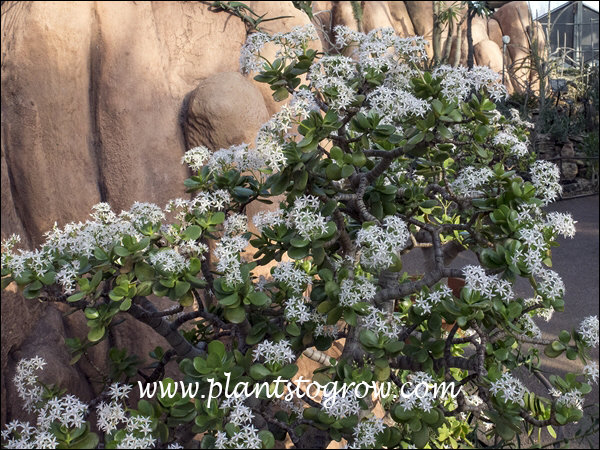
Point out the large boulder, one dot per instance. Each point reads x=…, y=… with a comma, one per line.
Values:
x=402, y=21
x=216, y=109
x=538, y=53
x=377, y=15
x=421, y=14
x=487, y=53
x=479, y=29
x=224, y=109
x=494, y=31
x=515, y=20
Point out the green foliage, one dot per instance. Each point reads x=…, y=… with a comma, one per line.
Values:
x=357, y=188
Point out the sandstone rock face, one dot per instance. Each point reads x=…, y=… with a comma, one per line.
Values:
x=297, y=19
x=421, y=14
x=495, y=32
x=479, y=29
x=375, y=15
x=402, y=21
x=487, y=53
x=92, y=99
x=514, y=20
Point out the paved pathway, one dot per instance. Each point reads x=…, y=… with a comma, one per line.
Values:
x=577, y=261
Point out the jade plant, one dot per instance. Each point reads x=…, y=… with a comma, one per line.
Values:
x=371, y=158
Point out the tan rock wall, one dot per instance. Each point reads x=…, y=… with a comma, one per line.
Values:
x=93, y=97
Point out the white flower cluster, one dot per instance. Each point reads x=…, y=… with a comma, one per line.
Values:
x=488, y=285
x=168, y=260
x=360, y=289
x=395, y=104
x=381, y=48
x=306, y=218
x=69, y=411
x=227, y=251
x=545, y=176
x=380, y=244
x=250, y=59
x=192, y=248
x=235, y=224
x=247, y=437
x=338, y=405
x=571, y=399
x=345, y=36
x=9, y=243
x=22, y=435
x=528, y=212
x=550, y=284
x=203, y=202
x=302, y=103
x=111, y=414
x=332, y=75
x=142, y=213
x=295, y=278
x=426, y=301
x=240, y=414
x=511, y=389
x=529, y=326
x=514, y=146
x=79, y=239
x=561, y=223
x=590, y=371
x=293, y=406
x=289, y=45
x=588, y=330
x=26, y=381
x=67, y=276
x=470, y=180
x=365, y=433
x=271, y=137
x=210, y=201
x=267, y=219
x=322, y=329
x=379, y=321
x=535, y=249
x=297, y=309
x=103, y=213
x=423, y=398
x=274, y=352
x=196, y=157
x=8, y=257
x=515, y=118
x=138, y=428
x=544, y=313
x=239, y=157
x=459, y=82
